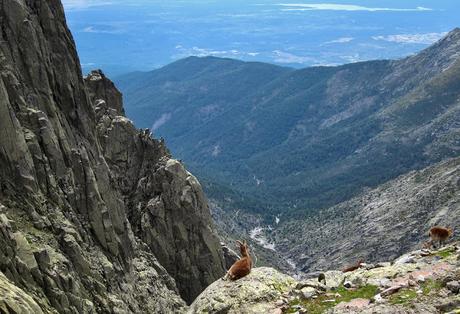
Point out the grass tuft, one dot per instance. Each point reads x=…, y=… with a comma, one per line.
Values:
x=445, y=253
x=403, y=296
x=430, y=285
x=325, y=302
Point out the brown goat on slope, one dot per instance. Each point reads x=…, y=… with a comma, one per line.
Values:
x=352, y=267
x=241, y=267
x=440, y=235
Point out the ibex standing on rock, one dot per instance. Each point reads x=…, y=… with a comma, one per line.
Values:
x=352, y=267
x=440, y=235
x=241, y=267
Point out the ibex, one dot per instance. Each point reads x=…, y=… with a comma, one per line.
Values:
x=440, y=235
x=241, y=267
x=352, y=267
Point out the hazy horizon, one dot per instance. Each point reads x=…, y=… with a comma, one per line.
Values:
x=138, y=35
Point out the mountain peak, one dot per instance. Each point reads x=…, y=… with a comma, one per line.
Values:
x=451, y=39
x=455, y=31
x=436, y=58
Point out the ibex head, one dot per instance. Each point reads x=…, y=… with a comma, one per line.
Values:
x=244, y=248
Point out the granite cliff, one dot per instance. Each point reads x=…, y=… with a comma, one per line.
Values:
x=95, y=215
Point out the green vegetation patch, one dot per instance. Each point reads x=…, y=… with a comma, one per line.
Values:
x=403, y=296
x=324, y=302
x=445, y=253
x=430, y=285
x=280, y=286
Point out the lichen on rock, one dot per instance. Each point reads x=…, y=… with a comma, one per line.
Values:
x=256, y=293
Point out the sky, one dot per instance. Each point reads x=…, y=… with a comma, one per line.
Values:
x=140, y=35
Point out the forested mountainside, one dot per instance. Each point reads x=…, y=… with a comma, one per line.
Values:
x=281, y=140
x=95, y=215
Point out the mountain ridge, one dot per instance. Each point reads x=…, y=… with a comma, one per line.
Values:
x=308, y=138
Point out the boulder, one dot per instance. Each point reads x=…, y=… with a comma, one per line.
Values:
x=334, y=278
x=453, y=286
x=15, y=300
x=308, y=292
x=256, y=293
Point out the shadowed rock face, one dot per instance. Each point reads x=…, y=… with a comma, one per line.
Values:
x=165, y=204
x=95, y=215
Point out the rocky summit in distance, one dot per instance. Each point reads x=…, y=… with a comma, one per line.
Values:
x=95, y=215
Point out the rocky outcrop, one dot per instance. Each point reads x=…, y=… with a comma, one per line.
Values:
x=255, y=293
x=165, y=204
x=101, y=88
x=421, y=281
x=15, y=300
x=94, y=214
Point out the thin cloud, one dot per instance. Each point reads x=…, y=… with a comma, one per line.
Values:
x=203, y=52
x=247, y=15
x=427, y=38
x=352, y=58
x=102, y=30
x=341, y=7
x=289, y=58
x=83, y=4
x=341, y=40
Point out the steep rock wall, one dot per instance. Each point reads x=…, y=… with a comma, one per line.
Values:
x=76, y=179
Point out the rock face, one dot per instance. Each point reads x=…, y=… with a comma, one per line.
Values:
x=15, y=300
x=95, y=216
x=255, y=293
x=100, y=87
x=165, y=204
